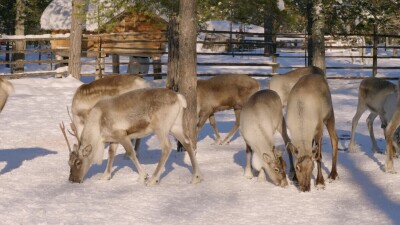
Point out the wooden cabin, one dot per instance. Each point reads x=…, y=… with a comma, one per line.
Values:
x=146, y=38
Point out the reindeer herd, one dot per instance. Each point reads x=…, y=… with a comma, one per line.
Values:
x=118, y=109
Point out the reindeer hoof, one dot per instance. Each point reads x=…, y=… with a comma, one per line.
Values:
x=153, y=181
x=106, y=177
x=196, y=179
x=320, y=186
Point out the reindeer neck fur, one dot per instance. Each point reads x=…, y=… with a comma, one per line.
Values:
x=91, y=136
x=308, y=106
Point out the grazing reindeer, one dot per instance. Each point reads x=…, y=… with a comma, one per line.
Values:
x=6, y=88
x=309, y=108
x=223, y=92
x=220, y=93
x=282, y=84
x=390, y=130
x=87, y=95
x=134, y=114
x=379, y=96
x=261, y=116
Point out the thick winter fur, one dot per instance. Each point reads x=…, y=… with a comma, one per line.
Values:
x=309, y=108
x=220, y=93
x=282, y=84
x=87, y=95
x=131, y=115
x=6, y=88
x=260, y=118
x=379, y=97
x=390, y=130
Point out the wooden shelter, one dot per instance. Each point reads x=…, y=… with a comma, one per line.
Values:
x=137, y=35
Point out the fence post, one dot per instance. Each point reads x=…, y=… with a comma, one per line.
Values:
x=375, y=52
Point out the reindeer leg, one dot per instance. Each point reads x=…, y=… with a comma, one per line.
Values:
x=213, y=124
x=361, y=107
x=248, y=173
x=390, y=129
x=111, y=155
x=179, y=134
x=320, y=183
x=234, y=128
x=370, y=124
x=330, y=125
x=126, y=143
x=165, y=152
x=283, y=131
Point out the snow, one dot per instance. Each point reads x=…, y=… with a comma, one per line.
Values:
x=35, y=189
x=34, y=167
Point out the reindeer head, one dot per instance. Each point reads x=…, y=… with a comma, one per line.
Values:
x=304, y=166
x=276, y=168
x=79, y=160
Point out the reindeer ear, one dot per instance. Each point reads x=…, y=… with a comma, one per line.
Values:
x=267, y=158
x=86, y=151
x=290, y=147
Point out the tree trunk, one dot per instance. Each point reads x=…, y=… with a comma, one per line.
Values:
x=309, y=32
x=75, y=45
x=187, y=83
x=19, y=30
x=173, y=54
x=318, y=39
x=268, y=31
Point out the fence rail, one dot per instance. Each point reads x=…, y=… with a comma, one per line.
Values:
x=241, y=44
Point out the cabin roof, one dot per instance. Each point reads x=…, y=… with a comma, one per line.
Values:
x=57, y=16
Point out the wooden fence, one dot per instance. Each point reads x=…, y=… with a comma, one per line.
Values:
x=235, y=44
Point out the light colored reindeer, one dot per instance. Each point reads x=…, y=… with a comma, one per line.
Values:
x=223, y=92
x=260, y=118
x=309, y=109
x=6, y=88
x=87, y=95
x=131, y=115
x=282, y=84
x=390, y=131
x=379, y=97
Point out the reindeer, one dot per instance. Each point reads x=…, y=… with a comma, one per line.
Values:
x=134, y=114
x=220, y=93
x=282, y=84
x=260, y=118
x=390, y=130
x=87, y=95
x=309, y=108
x=379, y=97
x=6, y=88
x=223, y=92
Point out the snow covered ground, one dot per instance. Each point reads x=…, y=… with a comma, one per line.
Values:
x=34, y=187
x=34, y=173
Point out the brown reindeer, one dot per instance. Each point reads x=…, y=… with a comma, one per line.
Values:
x=309, y=109
x=134, y=114
x=223, y=92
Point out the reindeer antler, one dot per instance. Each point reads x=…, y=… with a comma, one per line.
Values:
x=74, y=131
x=62, y=127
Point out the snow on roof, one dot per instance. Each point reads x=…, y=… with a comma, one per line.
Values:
x=57, y=15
